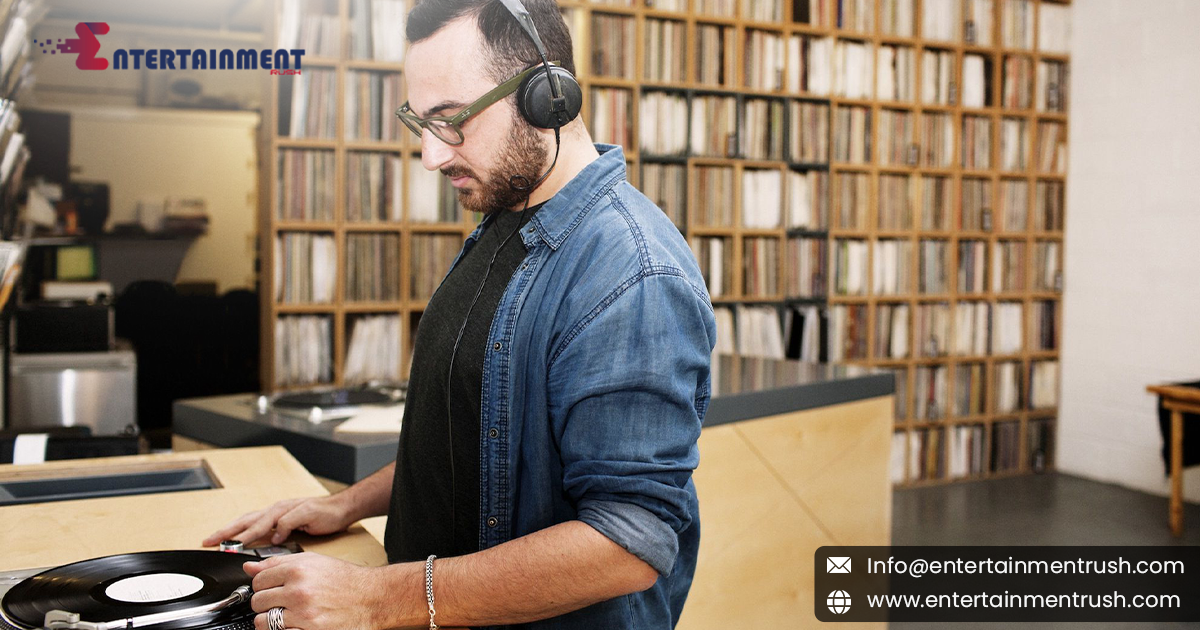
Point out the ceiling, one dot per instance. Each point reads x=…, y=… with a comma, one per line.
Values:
x=215, y=15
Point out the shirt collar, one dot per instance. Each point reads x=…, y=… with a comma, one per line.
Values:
x=562, y=212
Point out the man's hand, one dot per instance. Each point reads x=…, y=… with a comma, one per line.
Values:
x=316, y=592
x=317, y=516
x=321, y=593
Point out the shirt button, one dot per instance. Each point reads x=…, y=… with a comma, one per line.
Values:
x=525, y=266
x=530, y=230
x=498, y=346
x=493, y=433
x=492, y=522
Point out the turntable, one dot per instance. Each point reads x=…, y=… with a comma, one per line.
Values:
x=324, y=404
x=157, y=590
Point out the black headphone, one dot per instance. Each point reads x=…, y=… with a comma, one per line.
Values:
x=550, y=99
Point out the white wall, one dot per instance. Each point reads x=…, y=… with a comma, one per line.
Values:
x=1132, y=253
x=159, y=153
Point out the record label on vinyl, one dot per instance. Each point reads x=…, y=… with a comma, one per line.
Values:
x=155, y=587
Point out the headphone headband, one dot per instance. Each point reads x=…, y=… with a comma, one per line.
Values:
x=526, y=21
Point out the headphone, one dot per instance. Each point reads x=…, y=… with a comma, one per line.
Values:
x=546, y=100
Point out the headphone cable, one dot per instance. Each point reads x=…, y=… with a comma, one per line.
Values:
x=512, y=182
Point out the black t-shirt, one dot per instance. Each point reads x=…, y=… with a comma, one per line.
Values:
x=435, y=511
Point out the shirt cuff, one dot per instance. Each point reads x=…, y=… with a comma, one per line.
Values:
x=634, y=528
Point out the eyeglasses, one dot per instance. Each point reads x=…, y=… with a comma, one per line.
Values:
x=448, y=129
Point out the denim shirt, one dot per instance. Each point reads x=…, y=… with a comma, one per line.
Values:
x=595, y=384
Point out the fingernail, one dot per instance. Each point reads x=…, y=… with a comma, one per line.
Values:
x=276, y=539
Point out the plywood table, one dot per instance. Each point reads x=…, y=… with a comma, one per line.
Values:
x=52, y=534
x=1178, y=400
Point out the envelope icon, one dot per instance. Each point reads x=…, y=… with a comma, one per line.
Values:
x=837, y=564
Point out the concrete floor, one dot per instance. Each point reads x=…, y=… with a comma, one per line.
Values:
x=1052, y=509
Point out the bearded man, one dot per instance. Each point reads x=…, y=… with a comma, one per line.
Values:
x=560, y=378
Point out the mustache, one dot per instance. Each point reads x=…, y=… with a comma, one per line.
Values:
x=458, y=171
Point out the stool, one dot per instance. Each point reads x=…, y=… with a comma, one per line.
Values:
x=1178, y=400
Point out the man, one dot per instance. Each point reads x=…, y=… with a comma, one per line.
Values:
x=560, y=378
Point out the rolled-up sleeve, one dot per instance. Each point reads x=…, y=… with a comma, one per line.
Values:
x=629, y=384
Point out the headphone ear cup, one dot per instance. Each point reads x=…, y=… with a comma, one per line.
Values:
x=534, y=99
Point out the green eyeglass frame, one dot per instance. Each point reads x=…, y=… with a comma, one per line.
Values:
x=448, y=129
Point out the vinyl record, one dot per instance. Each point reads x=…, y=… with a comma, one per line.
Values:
x=135, y=584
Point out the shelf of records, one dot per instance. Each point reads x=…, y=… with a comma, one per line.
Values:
x=967, y=389
x=813, y=46
x=14, y=153
x=18, y=18
x=946, y=396
x=308, y=105
x=908, y=141
x=913, y=312
x=306, y=273
x=926, y=270
x=681, y=123
x=685, y=122
x=304, y=349
x=973, y=451
x=967, y=336
x=936, y=205
x=380, y=187
x=316, y=26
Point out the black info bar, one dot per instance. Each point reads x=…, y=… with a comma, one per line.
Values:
x=1008, y=584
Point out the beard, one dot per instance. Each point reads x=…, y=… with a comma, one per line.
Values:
x=520, y=161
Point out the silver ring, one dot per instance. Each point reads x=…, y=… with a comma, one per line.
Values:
x=275, y=619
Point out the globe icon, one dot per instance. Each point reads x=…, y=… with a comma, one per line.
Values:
x=839, y=602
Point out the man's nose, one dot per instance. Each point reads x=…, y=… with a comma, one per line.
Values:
x=434, y=153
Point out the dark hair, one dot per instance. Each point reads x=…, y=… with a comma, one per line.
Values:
x=509, y=47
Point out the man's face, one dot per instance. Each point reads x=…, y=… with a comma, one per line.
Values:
x=445, y=73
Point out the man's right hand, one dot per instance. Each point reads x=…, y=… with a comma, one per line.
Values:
x=317, y=516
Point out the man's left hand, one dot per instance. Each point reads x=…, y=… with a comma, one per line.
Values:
x=316, y=593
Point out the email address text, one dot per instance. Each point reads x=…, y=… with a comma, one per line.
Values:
x=1120, y=566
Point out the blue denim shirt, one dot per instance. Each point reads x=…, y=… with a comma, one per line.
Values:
x=595, y=384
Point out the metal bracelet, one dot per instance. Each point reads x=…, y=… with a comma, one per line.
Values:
x=429, y=591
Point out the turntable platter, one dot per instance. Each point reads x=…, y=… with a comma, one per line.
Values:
x=135, y=585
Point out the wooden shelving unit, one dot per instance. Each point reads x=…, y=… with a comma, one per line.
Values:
x=912, y=171
x=989, y=418
x=341, y=311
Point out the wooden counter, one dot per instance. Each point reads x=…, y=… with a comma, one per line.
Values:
x=773, y=490
x=51, y=534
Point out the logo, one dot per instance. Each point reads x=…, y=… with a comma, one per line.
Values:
x=278, y=60
x=837, y=564
x=838, y=602
x=86, y=46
